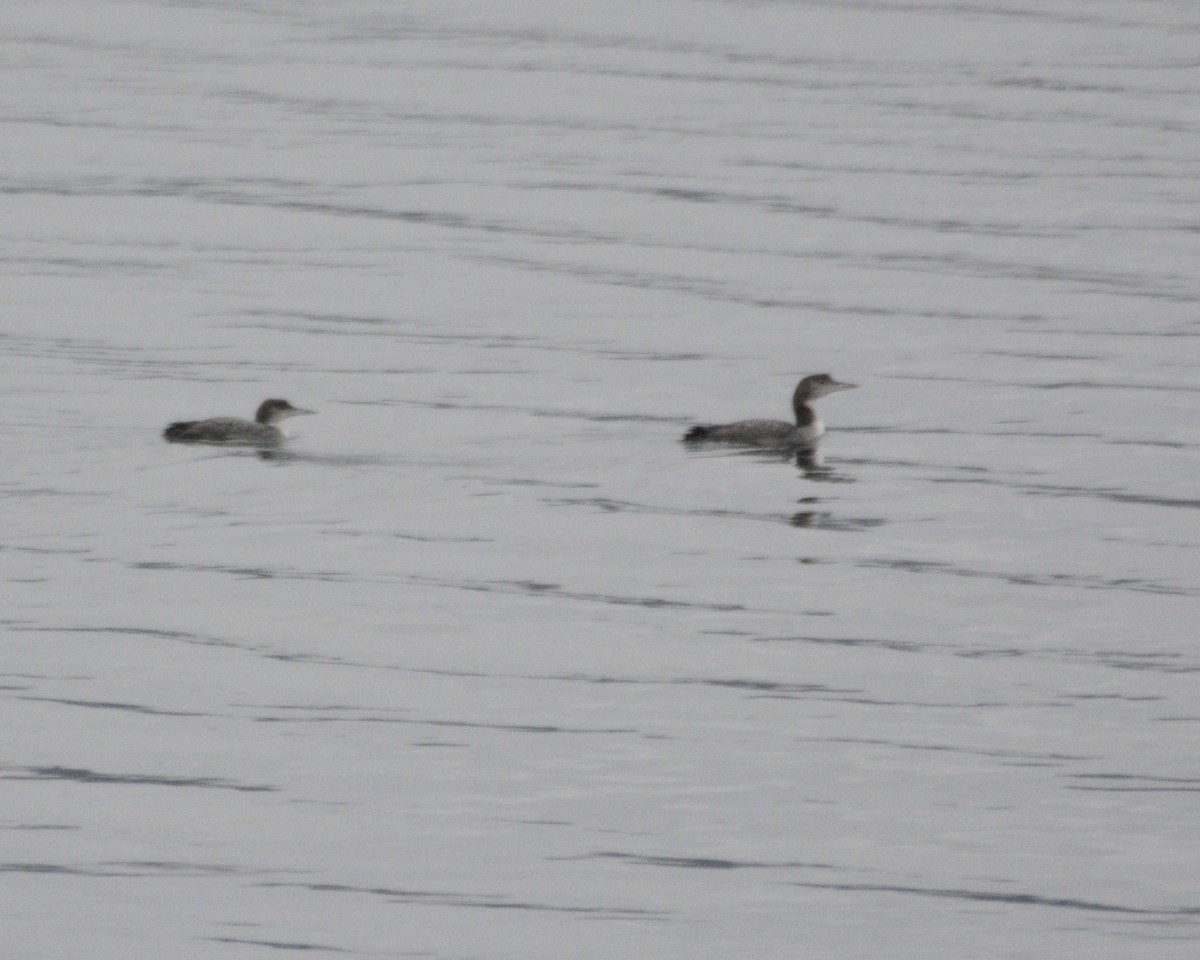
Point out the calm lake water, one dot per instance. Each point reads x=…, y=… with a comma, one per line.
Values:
x=493, y=666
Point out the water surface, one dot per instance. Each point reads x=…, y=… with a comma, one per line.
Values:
x=491, y=665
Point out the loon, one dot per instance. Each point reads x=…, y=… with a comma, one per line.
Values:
x=777, y=433
x=261, y=432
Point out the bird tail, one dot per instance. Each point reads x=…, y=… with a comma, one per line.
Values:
x=696, y=434
x=178, y=430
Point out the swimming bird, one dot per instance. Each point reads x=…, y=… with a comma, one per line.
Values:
x=777, y=433
x=233, y=431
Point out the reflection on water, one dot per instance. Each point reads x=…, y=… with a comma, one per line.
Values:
x=812, y=465
x=286, y=455
x=826, y=520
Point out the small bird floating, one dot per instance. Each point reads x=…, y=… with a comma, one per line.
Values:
x=777, y=434
x=234, y=431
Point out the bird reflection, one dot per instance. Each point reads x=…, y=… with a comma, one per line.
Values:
x=813, y=467
x=808, y=460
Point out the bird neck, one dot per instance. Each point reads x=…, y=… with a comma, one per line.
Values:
x=805, y=415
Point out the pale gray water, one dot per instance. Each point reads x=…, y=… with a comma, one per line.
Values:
x=492, y=666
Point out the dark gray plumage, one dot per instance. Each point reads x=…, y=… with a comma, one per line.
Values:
x=776, y=433
x=234, y=431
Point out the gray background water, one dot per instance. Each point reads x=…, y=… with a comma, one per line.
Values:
x=494, y=667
